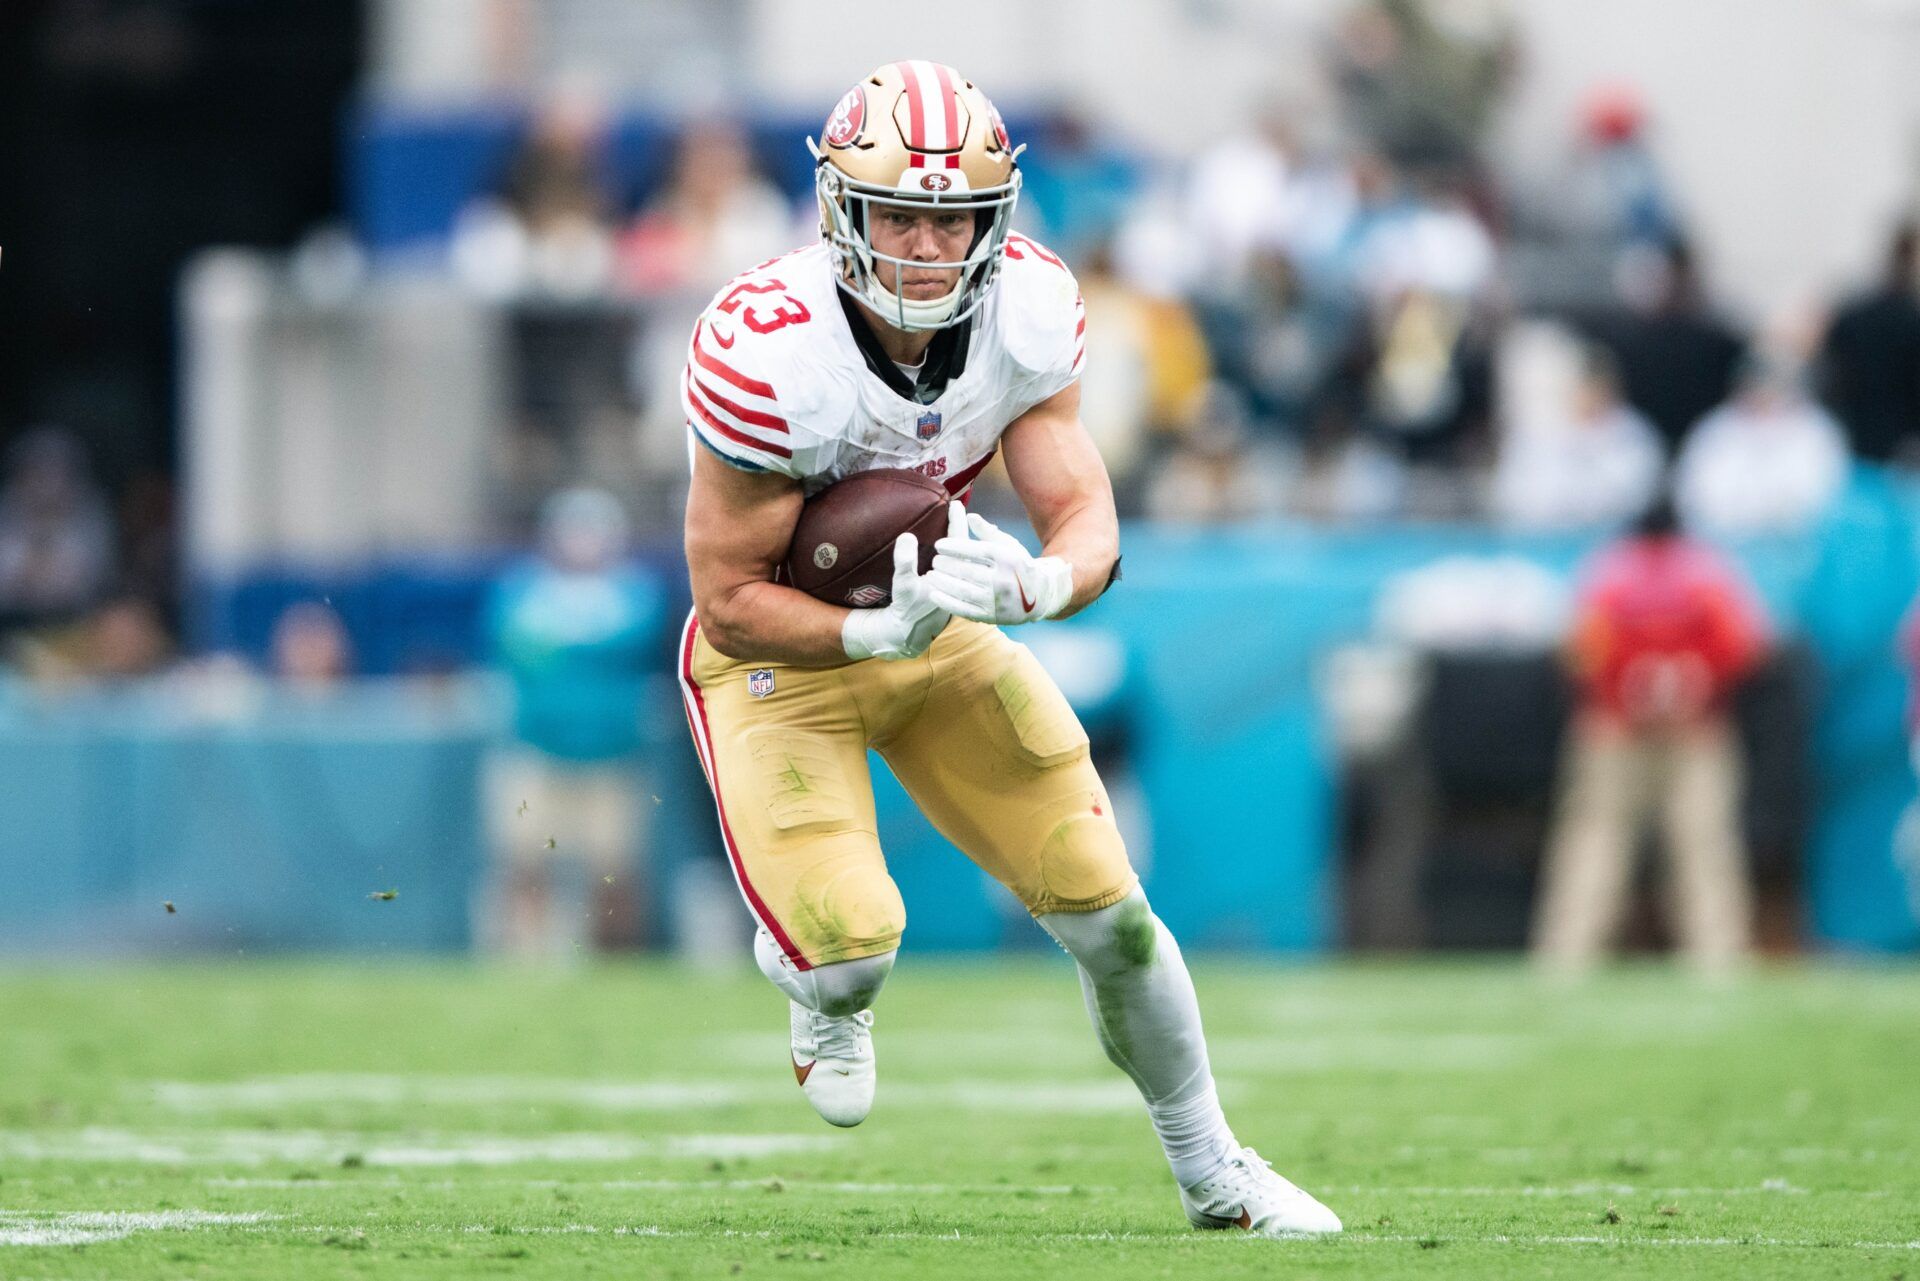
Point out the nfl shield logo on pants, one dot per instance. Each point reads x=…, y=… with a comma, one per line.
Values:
x=760, y=683
x=929, y=425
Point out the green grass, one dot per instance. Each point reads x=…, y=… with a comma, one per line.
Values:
x=400, y=1120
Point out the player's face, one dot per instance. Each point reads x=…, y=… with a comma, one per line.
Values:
x=921, y=235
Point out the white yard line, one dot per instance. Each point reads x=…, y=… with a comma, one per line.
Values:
x=1111, y=1095
x=690, y=1185
x=1656, y=1156
x=86, y=1227
x=256, y=1147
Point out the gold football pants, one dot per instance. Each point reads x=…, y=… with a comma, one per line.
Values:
x=976, y=732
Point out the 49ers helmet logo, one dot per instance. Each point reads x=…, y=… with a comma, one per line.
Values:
x=999, y=128
x=935, y=181
x=843, y=126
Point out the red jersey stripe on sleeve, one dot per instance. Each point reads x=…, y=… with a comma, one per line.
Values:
x=719, y=369
x=730, y=433
x=740, y=413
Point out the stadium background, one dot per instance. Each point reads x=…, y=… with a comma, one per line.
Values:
x=245, y=277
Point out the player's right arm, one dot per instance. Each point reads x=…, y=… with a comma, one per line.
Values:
x=739, y=525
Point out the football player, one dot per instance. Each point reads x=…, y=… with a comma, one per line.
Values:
x=921, y=333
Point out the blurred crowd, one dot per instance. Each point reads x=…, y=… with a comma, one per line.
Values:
x=1344, y=312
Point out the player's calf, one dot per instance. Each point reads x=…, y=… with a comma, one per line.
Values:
x=1144, y=1010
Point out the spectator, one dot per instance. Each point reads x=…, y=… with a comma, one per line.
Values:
x=1770, y=461
x=1604, y=207
x=1423, y=86
x=311, y=650
x=578, y=634
x=1237, y=200
x=1677, y=358
x=1597, y=466
x=125, y=639
x=56, y=538
x=1153, y=375
x=1218, y=471
x=1664, y=630
x=1871, y=361
x=549, y=228
x=716, y=213
x=1614, y=190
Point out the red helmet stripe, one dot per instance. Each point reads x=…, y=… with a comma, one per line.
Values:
x=949, y=99
x=916, y=114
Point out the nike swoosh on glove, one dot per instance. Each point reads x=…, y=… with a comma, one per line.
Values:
x=985, y=574
x=905, y=625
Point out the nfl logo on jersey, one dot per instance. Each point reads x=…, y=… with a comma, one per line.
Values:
x=760, y=682
x=929, y=425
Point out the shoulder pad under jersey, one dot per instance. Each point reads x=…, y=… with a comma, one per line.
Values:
x=1042, y=319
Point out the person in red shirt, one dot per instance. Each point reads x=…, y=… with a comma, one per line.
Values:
x=1664, y=631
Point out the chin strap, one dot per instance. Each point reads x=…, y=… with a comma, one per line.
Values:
x=932, y=314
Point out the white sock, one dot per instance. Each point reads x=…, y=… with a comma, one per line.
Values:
x=839, y=988
x=1141, y=1000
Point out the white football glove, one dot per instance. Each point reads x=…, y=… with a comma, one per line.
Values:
x=990, y=578
x=905, y=625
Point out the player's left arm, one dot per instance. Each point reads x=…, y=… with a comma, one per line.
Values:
x=984, y=574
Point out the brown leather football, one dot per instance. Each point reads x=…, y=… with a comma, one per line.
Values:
x=842, y=550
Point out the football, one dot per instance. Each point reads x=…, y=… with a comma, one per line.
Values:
x=842, y=550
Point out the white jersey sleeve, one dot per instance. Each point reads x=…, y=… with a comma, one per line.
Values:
x=753, y=388
x=1045, y=323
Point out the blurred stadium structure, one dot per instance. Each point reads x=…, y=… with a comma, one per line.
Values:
x=1400, y=309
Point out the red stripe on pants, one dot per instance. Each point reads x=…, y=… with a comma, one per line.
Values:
x=703, y=735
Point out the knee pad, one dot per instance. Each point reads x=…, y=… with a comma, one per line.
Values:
x=854, y=904
x=1081, y=861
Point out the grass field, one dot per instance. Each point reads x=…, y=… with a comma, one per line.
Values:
x=400, y=1120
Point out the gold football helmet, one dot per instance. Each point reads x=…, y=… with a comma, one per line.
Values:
x=915, y=134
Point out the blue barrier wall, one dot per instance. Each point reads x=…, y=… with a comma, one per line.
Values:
x=278, y=817
x=266, y=818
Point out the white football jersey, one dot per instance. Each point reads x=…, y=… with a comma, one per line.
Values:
x=774, y=380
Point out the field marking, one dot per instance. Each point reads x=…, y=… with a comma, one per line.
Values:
x=256, y=1147
x=784, y=1184
x=1789, y=1243
x=86, y=1227
x=1661, y=1156
x=1771, y=1187
x=1114, y=1094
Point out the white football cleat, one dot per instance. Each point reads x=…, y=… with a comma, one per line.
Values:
x=833, y=1061
x=1245, y=1193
